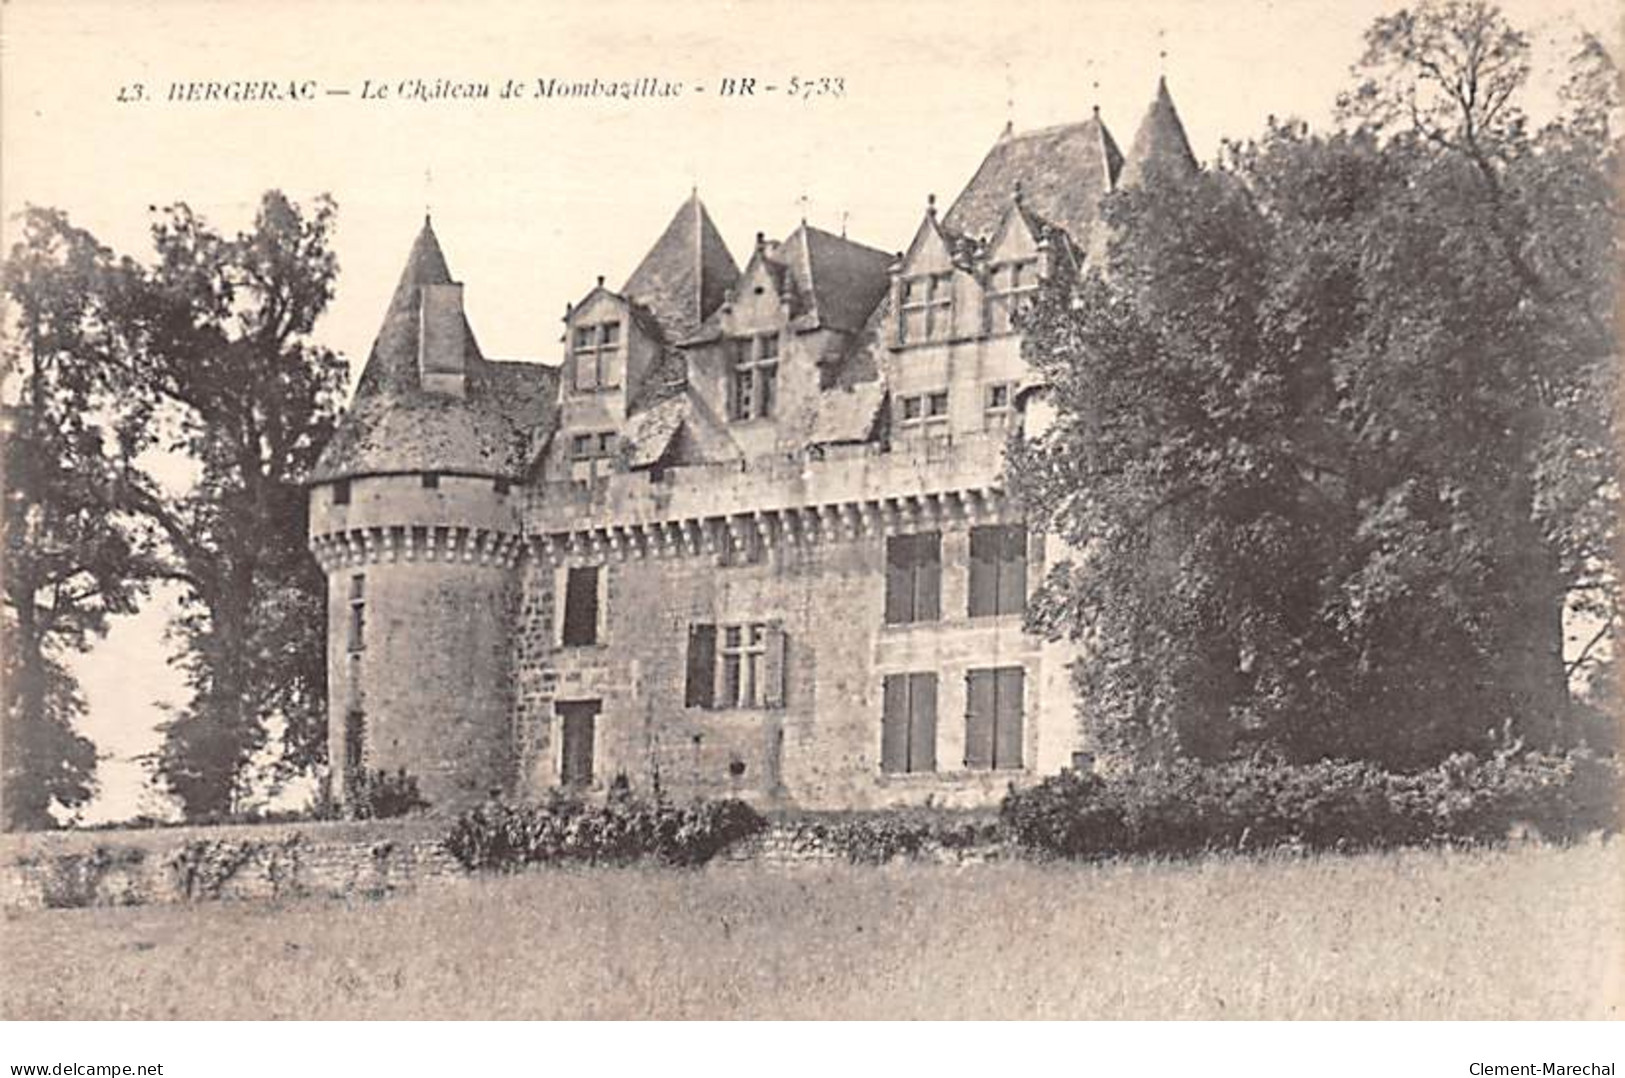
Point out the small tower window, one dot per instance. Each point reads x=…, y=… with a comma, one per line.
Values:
x=341, y=492
x=358, y=612
x=501, y=485
x=355, y=741
x=431, y=480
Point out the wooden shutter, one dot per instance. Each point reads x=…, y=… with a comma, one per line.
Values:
x=772, y=690
x=1010, y=690
x=600, y=629
x=1012, y=569
x=928, y=577
x=894, y=724
x=922, y=722
x=984, y=573
x=581, y=606
x=702, y=662
x=979, y=710
x=561, y=588
x=899, y=580
x=577, y=721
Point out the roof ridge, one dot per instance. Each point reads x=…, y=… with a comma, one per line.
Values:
x=806, y=257
x=850, y=242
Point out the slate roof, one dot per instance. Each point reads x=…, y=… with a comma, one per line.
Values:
x=686, y=274
x=394, y=425
x=837, y=281
x=1160, y=143
x=1063, y=172
x=649, y=434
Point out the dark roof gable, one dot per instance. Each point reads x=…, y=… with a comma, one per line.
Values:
x=1063, y=173
x=686, y=274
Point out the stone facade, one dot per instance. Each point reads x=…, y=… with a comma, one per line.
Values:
x=750, y=538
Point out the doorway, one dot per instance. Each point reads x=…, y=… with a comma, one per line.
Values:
x=578, y=721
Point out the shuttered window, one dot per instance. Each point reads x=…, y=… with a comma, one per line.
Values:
x=702, y=662
x=998, y=570
x=908, y=723
x=736, y=666
x=581, y=607
x=994, y=701
x=913, y=578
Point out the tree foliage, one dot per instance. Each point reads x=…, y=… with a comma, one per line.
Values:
x=167, y=416
x=1335, y=430
x=225, y=357
x=74, y=553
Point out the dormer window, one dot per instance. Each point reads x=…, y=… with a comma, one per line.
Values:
x=927, y=308
x=597, y=445
x=753, y=384
x=1010, y=288
x=596, y=353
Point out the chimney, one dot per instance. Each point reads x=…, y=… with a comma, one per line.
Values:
x=441, y=359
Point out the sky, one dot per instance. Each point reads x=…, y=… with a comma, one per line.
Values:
x=533, y=198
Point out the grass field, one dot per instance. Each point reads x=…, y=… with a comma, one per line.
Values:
x=1525, y=933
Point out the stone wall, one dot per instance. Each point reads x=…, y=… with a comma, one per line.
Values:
x=281, y=862
x=165, y=865
x=821, y=748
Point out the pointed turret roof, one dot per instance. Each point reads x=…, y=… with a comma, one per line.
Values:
x=686, y=274
x=393, y=362
x=394, y=425
x=1063, y=173
x=1160, y=143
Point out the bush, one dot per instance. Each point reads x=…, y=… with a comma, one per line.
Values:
x=564, y=831
x=1331, y=805
x=378, y=795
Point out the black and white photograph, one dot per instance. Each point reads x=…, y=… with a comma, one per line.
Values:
x=774, y=510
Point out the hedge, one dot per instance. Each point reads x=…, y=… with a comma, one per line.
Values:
x=1332, y=805
x=625, y=830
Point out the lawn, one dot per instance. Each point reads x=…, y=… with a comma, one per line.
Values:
x=1526, y=933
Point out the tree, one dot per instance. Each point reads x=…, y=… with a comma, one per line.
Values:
x=1349, y=398
x=74, y=556
x=223, y=353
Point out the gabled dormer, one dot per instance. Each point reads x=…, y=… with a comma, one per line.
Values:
x=1025, y=251
x=935, y=297
x=753, y=326
x=599, y=338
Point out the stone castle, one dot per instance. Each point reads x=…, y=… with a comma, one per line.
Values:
x=749, y=539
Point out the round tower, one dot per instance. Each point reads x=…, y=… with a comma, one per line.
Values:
x=414, y=517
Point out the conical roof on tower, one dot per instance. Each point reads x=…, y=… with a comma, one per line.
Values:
x=392, y=364
x=686, y=274
x=1160, y=144
x=395, y=425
